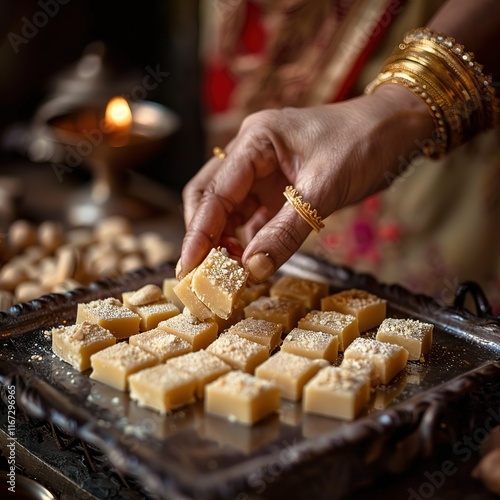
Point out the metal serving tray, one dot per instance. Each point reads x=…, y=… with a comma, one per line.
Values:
x=187, y=454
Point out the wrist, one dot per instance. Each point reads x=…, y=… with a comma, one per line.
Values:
x=405, y=111
x=405, y=129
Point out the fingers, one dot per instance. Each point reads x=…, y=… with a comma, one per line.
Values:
x=193, y=192
x=284, y=234
x=255, y=223
x=252, y=177
x=220, y=196
x=275, y=243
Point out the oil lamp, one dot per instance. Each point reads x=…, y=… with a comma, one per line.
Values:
x=86, y=125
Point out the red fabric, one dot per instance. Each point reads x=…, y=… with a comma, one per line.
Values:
x=219, y=84
x=253, y=36
x=371, y=45
x=218, y=87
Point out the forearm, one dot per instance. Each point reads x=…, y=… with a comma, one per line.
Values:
x=476, y=25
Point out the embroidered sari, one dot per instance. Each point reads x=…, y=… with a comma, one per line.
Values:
x=434, y=226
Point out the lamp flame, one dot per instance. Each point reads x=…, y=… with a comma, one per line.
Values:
x=118, y=115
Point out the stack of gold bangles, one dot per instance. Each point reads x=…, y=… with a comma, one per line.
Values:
x=450, y=83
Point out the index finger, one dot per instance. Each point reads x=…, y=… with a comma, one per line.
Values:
x=251, y=157
x=194, y=189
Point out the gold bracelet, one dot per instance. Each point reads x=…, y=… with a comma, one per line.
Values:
x=454, y=107
x=446, y=83
x=466, y=70
x=450, y=47
x=450, y=83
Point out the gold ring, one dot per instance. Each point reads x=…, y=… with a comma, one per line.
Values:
x=303, y=209
x=219, y=153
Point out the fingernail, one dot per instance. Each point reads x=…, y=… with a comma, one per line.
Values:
x=178, y=269
x=260, y=266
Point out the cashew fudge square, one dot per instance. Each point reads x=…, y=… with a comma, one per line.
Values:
x=200, y=334
x=241, y=397
x=237, y=315
x=151, y=314
x=145, y=295
x=363, y=368
x=289, y=372
x=344, y=326
x=369, y=309
x=168, y=292
x=161, y=344
x=187, y=296
x=260, y=331
x=111, y=314
x=415, y=336
x=388, y=359
x=306, y=291
x=238, y=352
x=255, y=290
x=335, y=392
x=162, y=388
x=219, y=282
x=279, y=310
x=113, y=365
x=203, y=366
x=76, y=343
x=312, y=344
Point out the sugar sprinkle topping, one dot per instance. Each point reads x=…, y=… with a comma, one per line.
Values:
x=242, y=384
x=338, y=379
x=330, y=319
x=354, y=298
x=407, y=328
x=222, y=271
x=372, y=347
x=124, y=355
x=200, y=363
x=235, y=347
x=109, y=308
x=82, y=333
x=309, y=339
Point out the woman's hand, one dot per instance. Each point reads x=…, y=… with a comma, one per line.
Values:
x=334, y=155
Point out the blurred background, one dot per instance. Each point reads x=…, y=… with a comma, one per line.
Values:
x=148, y=52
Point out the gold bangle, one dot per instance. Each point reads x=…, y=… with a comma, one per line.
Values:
x=480, y=96
x=452, y=50
x=450, y=57
x=452, y=111
x=303, y=208
x=450, y=83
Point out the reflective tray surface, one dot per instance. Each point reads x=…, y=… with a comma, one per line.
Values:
x=190, y=454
